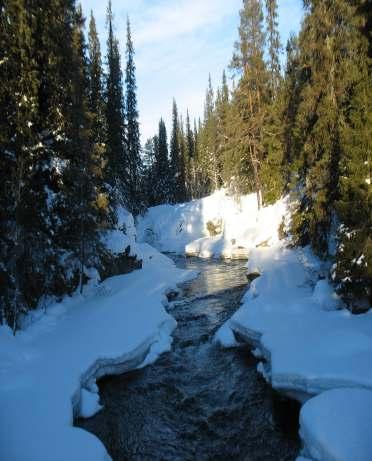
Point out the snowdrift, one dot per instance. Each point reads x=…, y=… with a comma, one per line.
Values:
x=337, y=425
x=183, y=228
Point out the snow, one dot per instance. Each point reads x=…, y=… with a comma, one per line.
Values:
x=89, y=403
x=116, y=241
x=183, y=228
x=224, y=337
x=48, y=371
x=337, y=426
x=325, y=297
x=308, y=346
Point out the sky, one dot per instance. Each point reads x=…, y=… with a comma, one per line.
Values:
x=177, y=44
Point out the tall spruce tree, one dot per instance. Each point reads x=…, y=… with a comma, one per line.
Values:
x=96, y=97
x=117, y=166
x=274, y=46
x=251, y=93
x=149, y=179
x=177, y=166
x=18, y=97
x=162, y=167
x=190, y=159
x=97, y=111
x=81, y=219
x=353, y=268
x=132, y=135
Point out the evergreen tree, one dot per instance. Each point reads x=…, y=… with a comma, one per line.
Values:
x=162, y=167
x=177, y=167
x=18, y=97
x=98, y=125
x=274, y=45
x=222, y=109
x=96, y=97
x=353, y=268
x=190, y=162
x=251, y=94
x=133, y=145
x=80, y=232
x=149, y=180
x=117, y=166
x=291, y=94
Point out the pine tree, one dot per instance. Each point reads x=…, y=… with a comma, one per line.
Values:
x=162, y=167
x=97, y=111
x=323, y=42
x=80, y=233
x=222, y=109
x=251, y=94
x=190, y=160
x=353, y=268
x=18, y=97
x=133, y=145
x=209, y=140
x=96, y=97
x=117, y=166
x=273, y=45
x=149, y=180
x=177, y=167
x=291, y=95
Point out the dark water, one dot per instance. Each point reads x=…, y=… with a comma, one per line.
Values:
x=197, y=402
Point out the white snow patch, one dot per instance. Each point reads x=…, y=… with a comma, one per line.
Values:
x=337, y=426
x=325, y=296
x=183, y=227
x=225, y=337
x=309, y=348
x=89, y=403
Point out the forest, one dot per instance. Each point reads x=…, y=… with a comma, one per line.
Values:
x=204, y=293
x=71, y=154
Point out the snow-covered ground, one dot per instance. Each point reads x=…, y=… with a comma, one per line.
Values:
x=48, y=371
x=184, y=228
x=309, y=344
x=337, y=425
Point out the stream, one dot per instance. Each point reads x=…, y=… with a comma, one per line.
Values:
x=197, y=402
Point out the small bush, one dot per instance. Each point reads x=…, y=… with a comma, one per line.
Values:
x=214, y=227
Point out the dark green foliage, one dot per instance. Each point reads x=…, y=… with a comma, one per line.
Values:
x=177, y=165
x=132, y=135
x=117, y=164
x=274, y=46
x=162, y=167
x=54, y=200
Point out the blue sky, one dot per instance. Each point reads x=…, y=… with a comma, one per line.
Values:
x=178, y=43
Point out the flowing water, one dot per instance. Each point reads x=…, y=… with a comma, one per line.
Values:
x=197, y=402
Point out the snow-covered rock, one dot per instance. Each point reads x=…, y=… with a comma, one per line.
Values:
x=325, y=296
x=337, y=426
x=225, y=337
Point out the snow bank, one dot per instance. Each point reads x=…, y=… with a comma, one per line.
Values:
x=337, y=426
x=48, y=371
x=308, y=346
x=184, y=227
x=125, y=234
